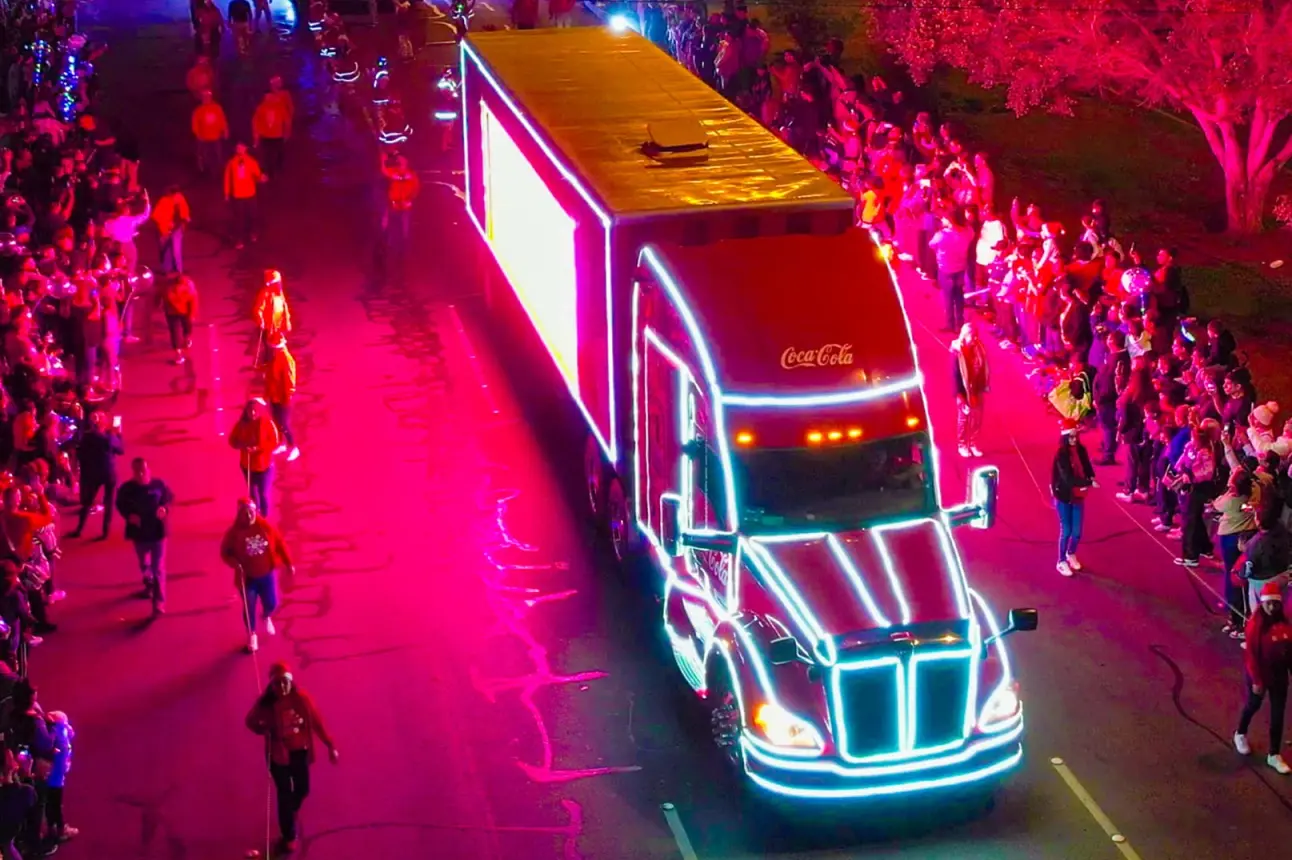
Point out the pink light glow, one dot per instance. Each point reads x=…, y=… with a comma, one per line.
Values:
x=532, y=238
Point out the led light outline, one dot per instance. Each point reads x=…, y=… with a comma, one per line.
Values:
x=836, y=700
x=844, y=561
x=611, y=446
x=798, y=401
x=821, y=644
x=890, y=570
x=912, y=690
x=899, y=788
x=1007, y=673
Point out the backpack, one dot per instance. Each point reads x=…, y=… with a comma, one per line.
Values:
x=1071, y=397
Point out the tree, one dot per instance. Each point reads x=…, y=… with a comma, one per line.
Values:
x=1227, y=63
x=810, y=23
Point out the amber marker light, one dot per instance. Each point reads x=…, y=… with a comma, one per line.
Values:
x=744, y=438
x=814, y=437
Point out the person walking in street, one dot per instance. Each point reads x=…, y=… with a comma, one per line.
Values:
x=973, y=380
x=171, y=215
x=144, y=503
x=100, y=446
x=179, y=301
x=240, y=18
x=280, y=389
x=256, y=437
x=271, y=125
x=951, y=247
x=242, y=179
x=1267, y=661
x=1071, y=478
x=200, y=78
x=402, y=188
x=263, y=11
x=255, y=550
x=209, y=30
x=271, y=313
x=289, y=721
x=210, y=131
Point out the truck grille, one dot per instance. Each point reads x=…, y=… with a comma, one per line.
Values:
x=867, y=710
x=942, y=694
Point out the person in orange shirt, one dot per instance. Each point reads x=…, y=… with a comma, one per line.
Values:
x=171, y=215
x=210, y=130
x=200, y=78
x=271, y=313
x=179, y=300
x=402, y=188
x=256, y=437
x=280, y=388
x=242, y=178
x=271, y=124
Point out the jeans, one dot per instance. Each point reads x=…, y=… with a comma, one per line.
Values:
x=968, y=422
x=293, y=783
x=282, y=414
x=952, y=286
x=210, y=155
x=1278, y=690
x=266, y=589
x=90, y=487
x=1235, y=593
x=152, y=565
x=272, y=149
x=1071, y=518
x=258, y=488
x=1106, y=414
x=172, y=252
x=244, y=219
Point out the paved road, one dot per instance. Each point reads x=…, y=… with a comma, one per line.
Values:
x=494, y=684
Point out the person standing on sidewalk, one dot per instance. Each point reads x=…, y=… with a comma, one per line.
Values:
x=179, y=301
x=144, y=502
x=210, y=131
x=1071, y=478
x=271, y=125
x=242, y=179
x=1267, y=661
x=271, y=313
x=289, y=721
x=951, y=247
x=97, y=454
x=973, y=381
x=256, y=437
x=280, y=388
x=255, y=550
x=171, y=215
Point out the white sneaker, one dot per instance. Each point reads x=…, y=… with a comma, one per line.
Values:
x=1275, y=761
x=1063, y=568
x=964, y=451
x=1161, y=527
x=973, y=449
x=281, y=449
x=57, y=596
x=269, y=626
x=252, y=645
x=1124, y=497
x=1073, y=563
x=294, y=455
x=1241, y=744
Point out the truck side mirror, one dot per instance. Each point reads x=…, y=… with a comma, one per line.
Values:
x=980, y=511
x=671, y=525
x=784, y=651
x=1022, y=620
x=710, y=541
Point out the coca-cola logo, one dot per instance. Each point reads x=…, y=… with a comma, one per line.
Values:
x=829, y=355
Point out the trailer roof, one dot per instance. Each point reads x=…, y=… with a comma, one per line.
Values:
x=593, y=92
x=795, y=293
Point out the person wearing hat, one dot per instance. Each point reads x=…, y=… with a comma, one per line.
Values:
x=271, y=313
x=1071, y=478
x=289, y=721
x=280, y=387
x=256, y=437
x=1267, y=660
x=255, y=550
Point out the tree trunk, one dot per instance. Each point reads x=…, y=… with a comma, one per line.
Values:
x=1245, y=195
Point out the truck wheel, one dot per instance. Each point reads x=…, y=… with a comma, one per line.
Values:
x=594, y=475
x=624, y=538
x=725, y=720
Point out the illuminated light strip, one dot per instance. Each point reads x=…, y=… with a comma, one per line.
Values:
x=979, y=775
x=611, y=446
x=771, y=756
x=912, y=689
x=860, y=395
x=446, y=115
x=950, y=556
x=836, y=698
x=792, y=538
x=890, y=570
x=789, y=596
x=1007, y=673
x=867, y=598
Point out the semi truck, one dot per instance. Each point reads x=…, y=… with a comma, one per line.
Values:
x=756, y=420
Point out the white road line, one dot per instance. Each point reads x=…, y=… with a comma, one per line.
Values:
x=674, y=822
x=1083, y=796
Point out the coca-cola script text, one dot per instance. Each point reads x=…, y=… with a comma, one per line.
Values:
x=830, y=355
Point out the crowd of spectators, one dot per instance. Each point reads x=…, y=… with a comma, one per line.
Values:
x=1104, y=327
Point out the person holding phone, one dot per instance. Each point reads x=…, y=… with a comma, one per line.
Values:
x=97, y=453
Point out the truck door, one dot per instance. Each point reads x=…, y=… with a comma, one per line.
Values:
x=704, y=496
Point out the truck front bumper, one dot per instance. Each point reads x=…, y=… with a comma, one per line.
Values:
x=983, y=758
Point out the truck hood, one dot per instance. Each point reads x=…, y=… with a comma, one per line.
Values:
x=852, y=583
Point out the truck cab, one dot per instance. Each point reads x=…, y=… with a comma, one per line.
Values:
x=785, y=478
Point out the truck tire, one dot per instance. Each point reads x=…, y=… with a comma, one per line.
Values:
x=594, y=478
x=725, y=720
x=621, y=528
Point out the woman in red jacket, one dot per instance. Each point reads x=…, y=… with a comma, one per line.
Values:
x=1268, y=659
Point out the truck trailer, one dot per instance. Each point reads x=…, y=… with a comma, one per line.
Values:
x=755, y=413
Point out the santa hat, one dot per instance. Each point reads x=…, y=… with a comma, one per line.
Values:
x=1271, y=591
x=1264, y=415
x=1069, y=427
x=280, y=670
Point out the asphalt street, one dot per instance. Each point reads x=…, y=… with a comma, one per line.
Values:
x=496, y=686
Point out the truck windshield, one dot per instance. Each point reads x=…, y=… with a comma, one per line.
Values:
x=834, y=485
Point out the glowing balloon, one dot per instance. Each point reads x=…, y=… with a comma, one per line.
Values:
x=1137, y=281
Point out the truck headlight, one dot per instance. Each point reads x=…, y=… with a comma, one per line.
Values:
x=1002, y=706
x=782, y=729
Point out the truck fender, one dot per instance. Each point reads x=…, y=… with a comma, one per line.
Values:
x=735, y=653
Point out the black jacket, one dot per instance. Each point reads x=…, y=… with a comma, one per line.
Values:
x=98, y=454
x=1063, y=478
x=142, y=500
x=1116, y=367
x=1268, y=554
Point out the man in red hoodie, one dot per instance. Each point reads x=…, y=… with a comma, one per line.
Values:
x=256, y=437
x=280, y=387
x=255, y=550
